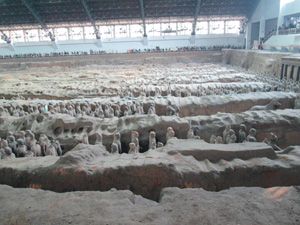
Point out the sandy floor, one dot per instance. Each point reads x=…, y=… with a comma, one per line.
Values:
x=253, y=206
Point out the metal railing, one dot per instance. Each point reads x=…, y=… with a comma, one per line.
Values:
x=269, y=35
x=289, y=31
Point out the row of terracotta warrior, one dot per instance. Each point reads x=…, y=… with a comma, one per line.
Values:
x=91, y=109
x=229, y=137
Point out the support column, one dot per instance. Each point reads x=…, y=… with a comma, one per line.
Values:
x=280, y=20
x=39, y=34
x=208, y=27
x=262, y=27
x=83, y=33
x=292, y=72
x=282, y=69
x=68, y=33
x=298, y=74
x=143, y=17
x=285, y=71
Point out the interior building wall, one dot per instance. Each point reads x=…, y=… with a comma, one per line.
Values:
x=266, y=10
x=254, y=32
x=271, y=24
x=122, y=45
x=266, y=13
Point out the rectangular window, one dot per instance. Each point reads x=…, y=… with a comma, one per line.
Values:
x=89, y=33
x=107, y=31
x=153, y=29
x=202, y=27
x=216, y=27
x=136, y=30
x=232, y=27
x=184, y=28
x=17, y=36
x=76, y=33
x=122, y=31
x=168, y=29
x=32, y=35
x=61, y=34
x=44, y=35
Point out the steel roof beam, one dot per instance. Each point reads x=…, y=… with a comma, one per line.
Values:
x=143, y=17
x=196, y=16
x=88, y=12
x=4, y=37
x=34, y=13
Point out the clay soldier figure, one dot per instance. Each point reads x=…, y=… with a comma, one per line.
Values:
x=12, y=142
x=170, y=133
x=2, y=112
x=114, y=148
x=29, y=153
x=44, y=142
x=85, y=139
x=132, y=149
x=127, y=112
x=190, y=134
x=29, y=137
x=225, y=133
x=140, y=109
x=51, y=150
x=133, y=107
x=135, y=139
x=242, y=133
x=213, y=139
x=78, y=109
x=117, y=141
x=98, y=139
x=160, y=144
x=111, y=111
x=3, y=144
x=71, y=111
x=21, y=150
x=152, y=140
x=251, y=137
x=35, y=109
x=22, y=135
x=101, y=114
x=8, y=153
x=297, y=102
x=106, y=112
x=219, y=140
x=57, y=147
x=231, y=138
x=273, y=142
x=117, y=111
x=151, y=110
x=170, y=109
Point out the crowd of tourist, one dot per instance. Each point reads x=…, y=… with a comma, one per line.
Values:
x=129, y=51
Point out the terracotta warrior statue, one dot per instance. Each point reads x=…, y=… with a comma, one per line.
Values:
x=242, y=133
x=170, y=134
x=135, y=140
x=225, y=133
x=132, y=149
x=273, y=142
x=251, y=137
x=152, y=140
x=117, y=141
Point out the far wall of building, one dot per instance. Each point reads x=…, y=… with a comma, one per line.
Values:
x=121, y=38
